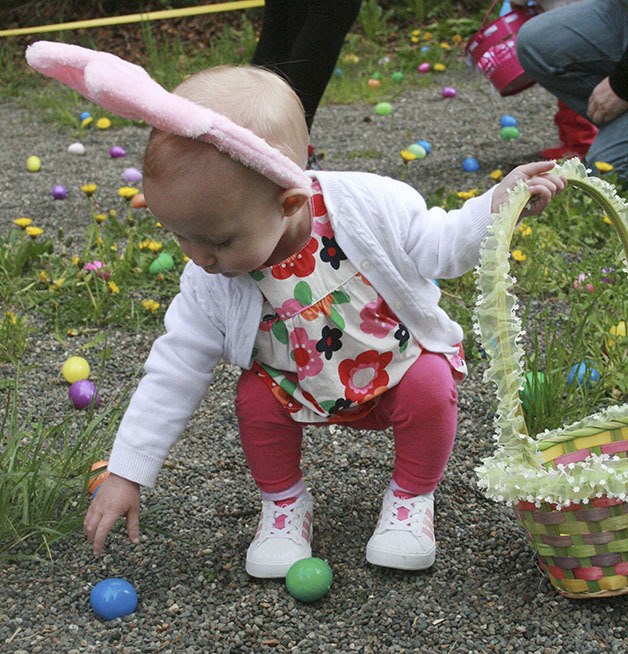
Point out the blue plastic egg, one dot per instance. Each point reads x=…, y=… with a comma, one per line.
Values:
x=508, y=121
x=471, y=164
x=584, y=374
x=83, y=115
x=113, y=598
x=426, y=145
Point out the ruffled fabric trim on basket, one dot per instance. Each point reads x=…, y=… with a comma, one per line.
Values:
x=515, y=472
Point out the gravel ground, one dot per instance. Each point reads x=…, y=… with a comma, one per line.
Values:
x=484, y=593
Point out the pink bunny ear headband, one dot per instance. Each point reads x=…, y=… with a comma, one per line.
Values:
x=128, y=91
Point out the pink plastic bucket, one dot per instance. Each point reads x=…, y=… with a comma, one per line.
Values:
x=493, y=50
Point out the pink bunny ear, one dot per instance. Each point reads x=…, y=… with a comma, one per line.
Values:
x=127, y=90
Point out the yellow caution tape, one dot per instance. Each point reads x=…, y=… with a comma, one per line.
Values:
x=137, y=18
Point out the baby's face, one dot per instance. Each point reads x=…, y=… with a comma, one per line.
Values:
x=225, y=228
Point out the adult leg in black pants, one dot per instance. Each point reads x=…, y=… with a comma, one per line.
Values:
x=301, y=40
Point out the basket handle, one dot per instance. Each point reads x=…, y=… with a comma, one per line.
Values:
x=488, y=13
x=495, y=313
x=490, y=9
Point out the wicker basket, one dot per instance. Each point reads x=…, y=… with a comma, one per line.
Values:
x=569, y=486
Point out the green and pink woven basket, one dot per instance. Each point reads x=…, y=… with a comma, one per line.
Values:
x=568, y=486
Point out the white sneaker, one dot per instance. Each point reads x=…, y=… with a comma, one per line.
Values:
x=404, y=536
x=283, y=536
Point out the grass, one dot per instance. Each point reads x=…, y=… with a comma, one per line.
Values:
x=573, y=304
x=378, y=46
x=44, y=470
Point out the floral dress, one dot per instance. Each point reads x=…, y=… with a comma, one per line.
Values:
x=328, y=344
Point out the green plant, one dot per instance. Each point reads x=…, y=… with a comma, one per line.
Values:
x=372, y=19
x=14, y=331
x=44, y=469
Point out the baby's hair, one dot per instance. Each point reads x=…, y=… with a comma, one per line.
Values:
x=251, y=97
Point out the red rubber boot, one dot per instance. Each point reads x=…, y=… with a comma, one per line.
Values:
x=575, y=133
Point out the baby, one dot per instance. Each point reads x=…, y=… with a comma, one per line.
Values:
x=322, y=294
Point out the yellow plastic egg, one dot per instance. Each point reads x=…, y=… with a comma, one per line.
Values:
x=617, y=330
x=33, y=164
x=75, y=369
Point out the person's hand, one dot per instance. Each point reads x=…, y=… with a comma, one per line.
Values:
x=116, y=497
x=542, y=183
x=604, y=104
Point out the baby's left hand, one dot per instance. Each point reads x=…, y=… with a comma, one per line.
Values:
x=542, y=183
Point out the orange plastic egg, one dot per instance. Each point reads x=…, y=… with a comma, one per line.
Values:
x=95, y=480
x=138, y=201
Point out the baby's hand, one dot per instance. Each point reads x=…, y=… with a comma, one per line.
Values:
x=542, y=183
x=116, y=497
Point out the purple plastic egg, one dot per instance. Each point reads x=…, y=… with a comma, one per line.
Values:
x=116, y=152
x=83, y=393
x=59, y=192
x=449, y=92
x=131, y=175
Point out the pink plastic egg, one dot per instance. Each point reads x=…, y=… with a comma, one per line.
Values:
x=425, y=67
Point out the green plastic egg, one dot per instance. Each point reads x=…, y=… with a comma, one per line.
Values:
x=383, y=108
x=397, y=76
x=162, y=263
x=417, y=150
x=509, y=133
x=309, y=579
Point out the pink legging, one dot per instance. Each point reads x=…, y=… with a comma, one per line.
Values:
x=422, y=410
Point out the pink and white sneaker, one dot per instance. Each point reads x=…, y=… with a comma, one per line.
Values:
x=283, y=536
x=404, y=536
